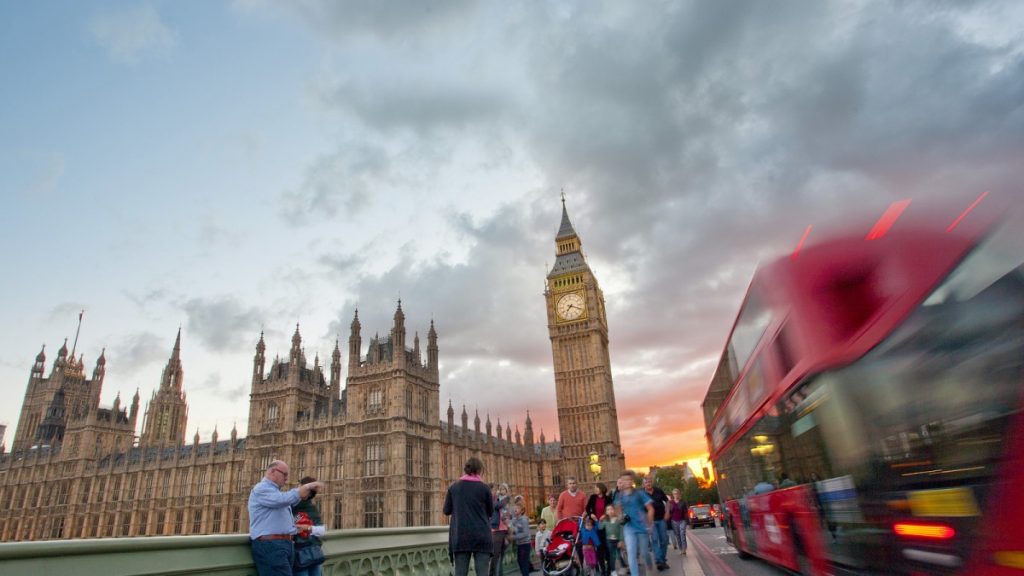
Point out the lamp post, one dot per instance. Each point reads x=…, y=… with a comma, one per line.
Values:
x=595, y=466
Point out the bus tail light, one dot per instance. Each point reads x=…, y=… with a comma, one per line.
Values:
x=930, y=531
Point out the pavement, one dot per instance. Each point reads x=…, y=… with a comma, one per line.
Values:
x=688, y=565
x=679, y=565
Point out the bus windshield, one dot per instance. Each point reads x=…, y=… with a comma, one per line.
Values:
x=930, y=404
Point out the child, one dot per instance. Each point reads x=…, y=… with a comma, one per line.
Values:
x=521, y=535
x=542, y=538
x=590, y=542
x=613, y=533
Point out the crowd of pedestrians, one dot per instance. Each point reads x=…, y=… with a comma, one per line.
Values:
x=624, y=530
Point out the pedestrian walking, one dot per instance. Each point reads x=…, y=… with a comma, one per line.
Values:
x=677, y=512
x=468, y=502
x=637, y=513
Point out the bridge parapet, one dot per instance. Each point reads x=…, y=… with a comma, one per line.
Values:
x=360, y=552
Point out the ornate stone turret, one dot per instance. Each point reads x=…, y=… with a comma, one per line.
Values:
x=528, y=432
x=62, y=357
x=489, y=425
x=101, y=367
x=432, y=348
x=259, y=361
x=476, y=423
x=398, y=337
x=134, y=411
x=39, y=367
x=465, y=419
x=355, y=342
x=295, y=356
x=336, y=371
x=167, y=411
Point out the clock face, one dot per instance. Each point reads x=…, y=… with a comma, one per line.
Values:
x=570, y=306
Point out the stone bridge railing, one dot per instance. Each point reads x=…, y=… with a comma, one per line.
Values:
x=361, y=552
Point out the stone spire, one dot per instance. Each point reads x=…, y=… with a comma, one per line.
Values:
x=173, y=375
x=432, y=347
x=476, y=422
x=39, y=367
x=101, y=366
x=355, y=343
x=398, y=336
x=295, y=355
x=336, y=371
x=565, y=229
x=528, y=432
x=465, y=418
x=259, y=361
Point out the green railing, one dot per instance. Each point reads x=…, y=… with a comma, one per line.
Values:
x=362, y=552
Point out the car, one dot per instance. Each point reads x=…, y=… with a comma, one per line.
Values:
x=701, y=515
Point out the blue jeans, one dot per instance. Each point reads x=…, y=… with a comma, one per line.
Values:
x=637, y=543
x=659, y=541
x=312, y=571
x=273, y=557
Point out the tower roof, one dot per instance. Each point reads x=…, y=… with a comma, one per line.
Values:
x=565, y=230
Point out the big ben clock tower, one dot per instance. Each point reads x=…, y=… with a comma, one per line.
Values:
x=578, y=327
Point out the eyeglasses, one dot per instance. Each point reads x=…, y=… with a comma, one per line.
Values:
x=281, y=472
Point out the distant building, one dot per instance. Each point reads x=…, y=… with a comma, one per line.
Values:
x=76, y=470
x=683, y=469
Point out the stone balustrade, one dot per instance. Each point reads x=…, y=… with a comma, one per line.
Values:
x=362, y=552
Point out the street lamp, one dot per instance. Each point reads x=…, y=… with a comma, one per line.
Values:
x=595, y=466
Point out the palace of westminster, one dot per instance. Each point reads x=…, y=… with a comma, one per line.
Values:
x=76, y=470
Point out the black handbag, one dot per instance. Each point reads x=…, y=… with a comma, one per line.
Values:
x=309, y=555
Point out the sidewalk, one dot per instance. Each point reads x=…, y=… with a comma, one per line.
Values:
x=682, y=565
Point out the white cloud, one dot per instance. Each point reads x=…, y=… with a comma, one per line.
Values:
x=133, y=34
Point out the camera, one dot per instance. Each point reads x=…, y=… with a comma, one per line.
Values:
x=625, y=518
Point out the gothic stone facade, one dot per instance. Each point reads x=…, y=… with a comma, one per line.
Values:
x=77, y=470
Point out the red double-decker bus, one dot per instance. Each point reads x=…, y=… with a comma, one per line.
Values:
x=866, y=414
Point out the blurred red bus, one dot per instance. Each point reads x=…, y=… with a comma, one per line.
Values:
x=883, y=378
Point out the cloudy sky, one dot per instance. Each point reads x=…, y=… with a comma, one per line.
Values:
x=228, y=167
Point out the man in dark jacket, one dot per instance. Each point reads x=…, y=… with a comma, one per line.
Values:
x=470, y=506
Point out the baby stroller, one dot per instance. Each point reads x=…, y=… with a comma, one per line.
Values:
x=561, y=557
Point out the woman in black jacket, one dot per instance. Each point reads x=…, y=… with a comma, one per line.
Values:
x=469, y=504
x=594, y=509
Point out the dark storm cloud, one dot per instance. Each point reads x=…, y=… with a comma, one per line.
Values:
x=340, y=182
x=341, y=19
x=501, y=276
x=221, y=324
x=421, y=102
x=695, y=140
x=214, y=386
x=138, y=351
x=341, y=264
